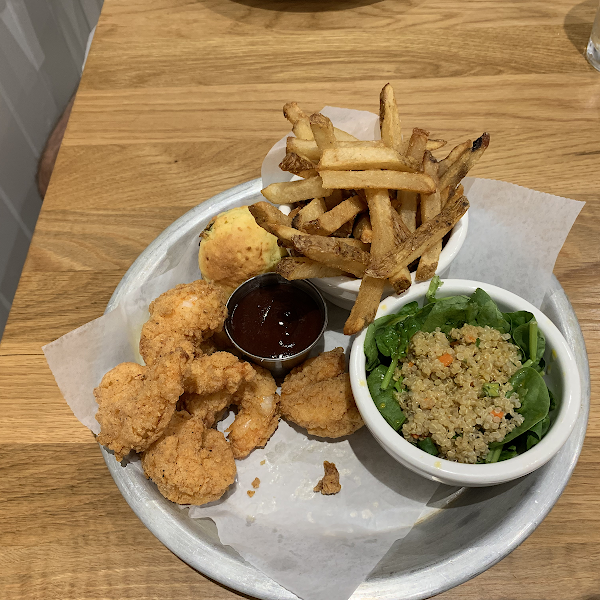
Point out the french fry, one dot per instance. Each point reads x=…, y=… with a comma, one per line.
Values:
x=407, y=201
x=333, y=252
x=417, y=144
x=289, y=192
x=292, y=112
x=296, y=164
x=312, y=211
x=323, y=133
x=453, y=155
x=385, y=237
x=308, y=149
x=462, y=165
x=332, y=220
x=297, y=208
x=343, y=136
x=305, y=268
x=302, y=130
x=389, y=120
x=424, y=237
x=345, y=231
x=448, y=193
x=362, y=229
x=265, y=213
x=430, y=207
x=364, y=309
x=365, y=158
x=336, y=197
x=435, y=144
x=285, y=234
x=384, y=179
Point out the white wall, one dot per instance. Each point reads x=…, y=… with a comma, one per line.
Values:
x=42, y=49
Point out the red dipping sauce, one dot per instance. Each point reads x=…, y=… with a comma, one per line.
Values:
x=275, y=320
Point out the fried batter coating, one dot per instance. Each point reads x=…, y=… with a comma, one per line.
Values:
x=190, y=464
x=215, y=372
x=209, y=408
x=136, y=403
x=330, y=483
x=317, y=396
x=258, y=415
x=183, y=317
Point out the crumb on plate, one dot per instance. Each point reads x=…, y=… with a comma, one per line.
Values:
x=330, y=484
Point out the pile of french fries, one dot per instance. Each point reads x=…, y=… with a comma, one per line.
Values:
x=365, y=208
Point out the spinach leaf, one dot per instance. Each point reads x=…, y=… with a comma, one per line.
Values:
x=447, y=313
x=370, y=347
x=482, y=311
x=535, y=401
x=521, y=323
x=384, y=399
x=507, y=453
x=427, y=445
x=493, y=455
x=382, y=334
x=435, y=284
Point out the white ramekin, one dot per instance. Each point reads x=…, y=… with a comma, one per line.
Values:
x=562, y=377
x=342, y=291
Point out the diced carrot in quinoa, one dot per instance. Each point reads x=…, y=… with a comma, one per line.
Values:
x=497, y=413
x=446, y=359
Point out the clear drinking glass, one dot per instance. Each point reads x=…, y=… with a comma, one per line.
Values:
x=593, y=49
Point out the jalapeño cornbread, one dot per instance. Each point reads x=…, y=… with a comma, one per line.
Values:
x=455, y=390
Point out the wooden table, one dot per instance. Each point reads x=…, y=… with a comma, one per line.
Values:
x=181, y=100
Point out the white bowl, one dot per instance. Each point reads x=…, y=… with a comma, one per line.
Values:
x=562, y=377
x=342, y=291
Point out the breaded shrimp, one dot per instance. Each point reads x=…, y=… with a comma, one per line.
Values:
x=209, y=407
x=215, y=372
x=258, y=414
x=183, y=317
x=190, y=464
x=317, y=396
x=136, y=403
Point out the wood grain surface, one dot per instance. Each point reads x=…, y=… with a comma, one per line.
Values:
x=181, y=99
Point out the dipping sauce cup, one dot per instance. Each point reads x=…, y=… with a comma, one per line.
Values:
x=275, y=323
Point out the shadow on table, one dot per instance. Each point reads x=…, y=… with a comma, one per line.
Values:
x=305, y=6
x=578, y=24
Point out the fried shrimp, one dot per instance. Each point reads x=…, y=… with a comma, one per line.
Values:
x=190, y=464
x=183, y=317
x=136, y=403
x=215, y=372
x=258, y=414
x=209, y=408
x=317, y=396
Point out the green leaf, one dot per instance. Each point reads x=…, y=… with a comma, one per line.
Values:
x=520, y=323
x=482, y=311
x=434, y=286
x=493, y=455
x=535, y=401
x=447, y=313
x=507, y=453
x=427, y=445
x=384, y=399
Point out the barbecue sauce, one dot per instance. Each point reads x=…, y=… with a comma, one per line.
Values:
x=275, y=321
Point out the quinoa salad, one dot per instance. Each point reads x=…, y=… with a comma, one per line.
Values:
x=460, y=379
x=455, y=390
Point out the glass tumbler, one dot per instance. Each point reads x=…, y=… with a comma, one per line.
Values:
x=593, y=48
